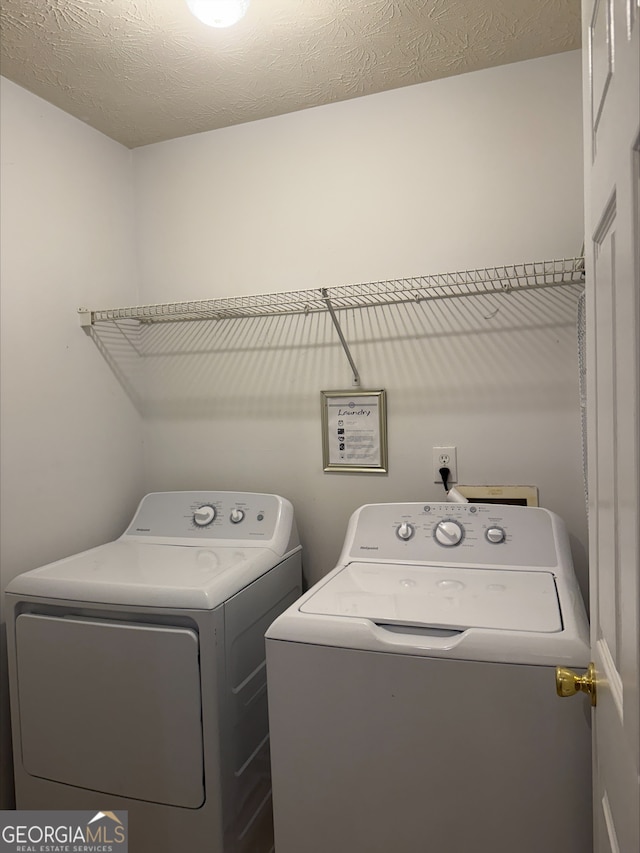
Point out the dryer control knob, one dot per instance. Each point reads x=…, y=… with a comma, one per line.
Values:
x=405, y=531
x=495, y=535
x=448, y=533
x=236, y=516
x=204, y=515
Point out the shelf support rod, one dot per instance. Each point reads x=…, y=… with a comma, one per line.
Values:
x=345, y=346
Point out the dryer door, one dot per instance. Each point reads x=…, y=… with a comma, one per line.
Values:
x=112, y=707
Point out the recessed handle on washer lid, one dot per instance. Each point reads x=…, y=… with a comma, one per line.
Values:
x=568, y=683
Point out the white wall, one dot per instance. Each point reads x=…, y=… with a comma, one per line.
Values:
x=474, y=170
x=478, y=169
x=71, y=438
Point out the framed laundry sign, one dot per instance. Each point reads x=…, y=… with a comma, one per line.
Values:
x=354, y=431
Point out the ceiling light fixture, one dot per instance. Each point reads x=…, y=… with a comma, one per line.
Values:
x=218, y=13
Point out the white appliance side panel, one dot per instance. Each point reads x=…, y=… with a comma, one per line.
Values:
x=111, y=706
x=245, y=734
x=379, y=752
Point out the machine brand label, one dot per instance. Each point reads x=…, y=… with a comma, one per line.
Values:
x=64, y=832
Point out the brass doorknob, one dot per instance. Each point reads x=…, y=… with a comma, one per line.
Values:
x=568, y=682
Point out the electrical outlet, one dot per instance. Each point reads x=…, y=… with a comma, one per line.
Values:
x=445, y=457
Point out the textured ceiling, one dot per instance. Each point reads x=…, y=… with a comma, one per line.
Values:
x=143, y=71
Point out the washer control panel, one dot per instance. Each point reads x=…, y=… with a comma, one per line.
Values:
x=491, y=534
x=240, y=516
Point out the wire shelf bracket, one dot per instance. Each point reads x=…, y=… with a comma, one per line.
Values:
x=345, y=346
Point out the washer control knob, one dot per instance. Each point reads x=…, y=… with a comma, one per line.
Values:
x=405, y=531
x=236, y=516
x=495, y=535
x=204, y=515
x=448, y=533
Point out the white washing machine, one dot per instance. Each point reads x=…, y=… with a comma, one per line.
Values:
x=412, y=691
x=137, y=671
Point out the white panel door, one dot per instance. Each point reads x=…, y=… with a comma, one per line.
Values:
x=612, y=171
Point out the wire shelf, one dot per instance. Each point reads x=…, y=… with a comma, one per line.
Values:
x=510, y=278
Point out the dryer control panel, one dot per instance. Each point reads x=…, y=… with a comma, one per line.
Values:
x=459, y=534
x=240, y=518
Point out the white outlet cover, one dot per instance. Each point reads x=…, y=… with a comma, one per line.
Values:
x=452, y=465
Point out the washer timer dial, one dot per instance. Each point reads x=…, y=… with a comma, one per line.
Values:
x=448, y=533
x=204, y=515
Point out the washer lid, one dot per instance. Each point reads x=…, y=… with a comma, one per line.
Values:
x=140, y=573
x=441, y=597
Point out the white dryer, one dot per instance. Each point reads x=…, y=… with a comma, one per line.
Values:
x=412, y=691
x=137, y=671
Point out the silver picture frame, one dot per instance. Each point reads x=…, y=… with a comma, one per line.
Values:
x=354, y=431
